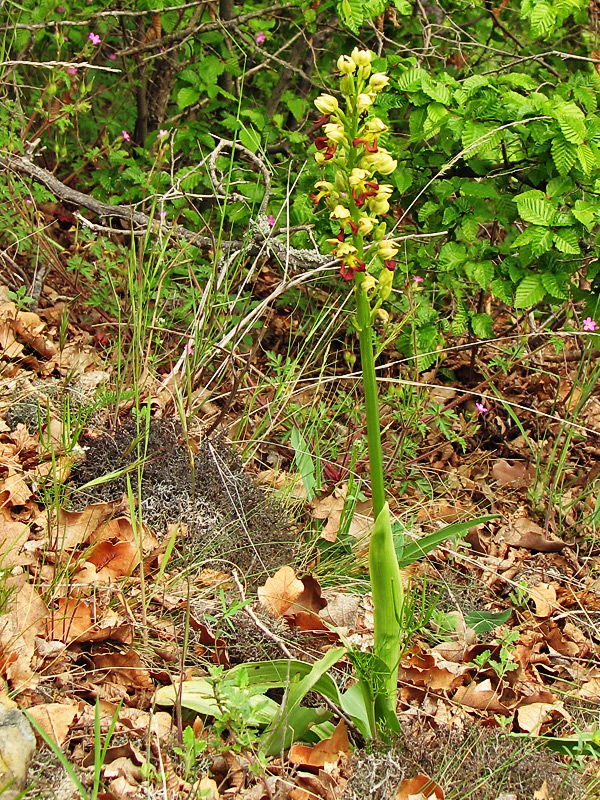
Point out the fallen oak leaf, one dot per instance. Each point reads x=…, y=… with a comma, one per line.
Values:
x=421, y=787
x=326, y=751
x=280, y=591
x=523, y=532
x=544, y=597
x=55, y=719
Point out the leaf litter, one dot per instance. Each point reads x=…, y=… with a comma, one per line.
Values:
x=79, y=629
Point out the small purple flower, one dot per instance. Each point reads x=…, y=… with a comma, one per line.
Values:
x=60, y=9
x=163, y=215
x=113, y=56
x=28, y=201
x=94, y=38
x=260, y=37
x=481, y=409
x=589, y=324
x=271, y=220
x=126, y=136
x=418, y=279
x=188, y=350
x=162, y=133
x=72, y=70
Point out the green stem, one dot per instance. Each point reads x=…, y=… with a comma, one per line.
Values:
x=365, y=336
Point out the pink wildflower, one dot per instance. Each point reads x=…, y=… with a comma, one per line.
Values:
x=162, y=132
x=481, y=409
x=418, y=279
x=271, y=220
x=126, y=136
x=113, y=56
x=60, y=9
x=163, y=215
x=94, y=38
x=72, y=70
x=589, y=324
x=260, y=37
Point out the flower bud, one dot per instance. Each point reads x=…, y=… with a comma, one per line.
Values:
x=326, y=104
x=386, y=250
x=378, y=82
x=334, y=131
x=363, y=102
x=368, y=283
x=361, y=58
x=365, y=225
x=345, y=85
x=382, y=315
x=320, y=158
x=381, y=161
x=340, y=212
x=375, y=126
x=378, y=205
x=386, y=279
x=346, y=65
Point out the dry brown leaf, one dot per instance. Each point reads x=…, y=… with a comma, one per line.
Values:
x=421, y=787
x=532, y=716
x=542, y=793
x=13, y=535
x=70, y=621
x=523, y=532
x=75, y=528
x=341, y=610
x=517, y=474
x=326, y=751
x=19, y=627
x=544, y=597
x=483, y=697
x=207, y=788
x=280, y=591
x=55, y=719
x=124, y=669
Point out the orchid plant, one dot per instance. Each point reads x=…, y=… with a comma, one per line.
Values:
x=358, y=204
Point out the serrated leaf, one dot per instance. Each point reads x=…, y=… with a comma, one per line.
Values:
x=529, y=292
x=187, y=96
x=437, y=91
x=535, y=207
x=543, y=19
x=536, y=237
x=585, y=154
x=567, y=241
x=584, y=213
x=452, y=255
x=474, y=82
x=403, y=7
x=481, y=325
x=351, y=12
x=460, y=323
x=553, y=287
x=502, y=290
x=564, y=154
x=479, y=138
x=411, y=79
x=571, y=120
x=483, y=272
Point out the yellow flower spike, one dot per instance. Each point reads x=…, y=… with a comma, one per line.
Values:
x=326, y=104
x=378, y=82
x=339, y=212
x=346, y=65
x=386, y=250
x=345, y=249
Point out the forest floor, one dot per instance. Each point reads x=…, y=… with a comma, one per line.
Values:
x=137, y=551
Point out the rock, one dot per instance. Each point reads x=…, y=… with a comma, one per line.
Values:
x=17, y=745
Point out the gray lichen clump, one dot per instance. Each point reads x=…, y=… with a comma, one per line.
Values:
x=228, y=518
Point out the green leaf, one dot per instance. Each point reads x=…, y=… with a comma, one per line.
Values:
x=481, y=325
x=571, y=120
x=502, y=290
x=304, y=463
x=411, y=79
x=536, y=237
x=415, y=550
x=535, y=207
x=529, y=292
x=567, y=241
x=483, y=272
x=452, y=255
x=250, y=138
x=553, y=286
x=437, y=91
x=585, y=213
x=585, y=154
x=474, y=82
x=485, y=621
x=564, y=154
x=403, y=7
x=187, y=96
x=543, y=19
